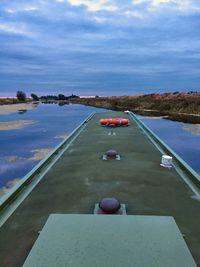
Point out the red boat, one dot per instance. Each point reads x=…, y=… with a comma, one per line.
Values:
x=114, y=122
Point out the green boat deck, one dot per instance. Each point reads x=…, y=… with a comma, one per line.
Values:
x=80, y=178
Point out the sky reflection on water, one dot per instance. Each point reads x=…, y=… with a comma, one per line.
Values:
x=174, y=134
x=19, y=147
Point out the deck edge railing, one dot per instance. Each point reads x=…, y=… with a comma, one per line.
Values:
x=195, y=178
x=13, y=193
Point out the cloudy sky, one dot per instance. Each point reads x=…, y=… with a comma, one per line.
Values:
x=104, y=47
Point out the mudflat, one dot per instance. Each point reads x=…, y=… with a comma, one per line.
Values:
x=12, y=108
x=12, y=125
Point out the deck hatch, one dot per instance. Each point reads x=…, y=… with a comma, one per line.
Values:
x=107, y=240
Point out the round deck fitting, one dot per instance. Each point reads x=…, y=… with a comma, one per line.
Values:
x=109, y=205
x=111, y=153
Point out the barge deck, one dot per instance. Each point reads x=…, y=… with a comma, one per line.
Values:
x=78, y=178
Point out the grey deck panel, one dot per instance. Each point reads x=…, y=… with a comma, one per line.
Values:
x=109, y=241
x=79, y=179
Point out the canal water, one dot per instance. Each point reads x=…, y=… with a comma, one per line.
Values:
x=43, y=128
x=48, y=124
x=183, y=138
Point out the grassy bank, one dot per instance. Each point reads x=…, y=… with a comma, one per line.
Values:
x=175, y=106
x=184, y=107
x=10, y=101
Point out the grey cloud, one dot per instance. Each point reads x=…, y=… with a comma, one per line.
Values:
x=69, y=49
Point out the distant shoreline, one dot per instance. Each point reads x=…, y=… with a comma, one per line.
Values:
x=182, y=107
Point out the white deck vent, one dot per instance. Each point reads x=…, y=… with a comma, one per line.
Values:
x=166, y=161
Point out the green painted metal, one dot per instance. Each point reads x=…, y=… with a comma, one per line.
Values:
x=12, y=194
x=181, y=163
x=109, y=241
x=80, y=178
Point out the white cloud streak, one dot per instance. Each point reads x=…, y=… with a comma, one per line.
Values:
x=21, y=8
x=181, y=5
x=96, y=5
x=14, y=28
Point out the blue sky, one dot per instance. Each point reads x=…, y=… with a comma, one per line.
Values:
x=104, y=47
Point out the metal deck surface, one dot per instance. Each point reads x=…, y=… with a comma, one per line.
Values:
x=79, y=179
x=109, y=241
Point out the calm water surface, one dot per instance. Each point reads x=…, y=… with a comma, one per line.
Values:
x=21, y=149
x=181, y=137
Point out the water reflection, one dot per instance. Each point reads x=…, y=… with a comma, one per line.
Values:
x=22, y=111
x=25, y=142
x=183, y=138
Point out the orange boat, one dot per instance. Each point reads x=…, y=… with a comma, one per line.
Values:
x=114, y=122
